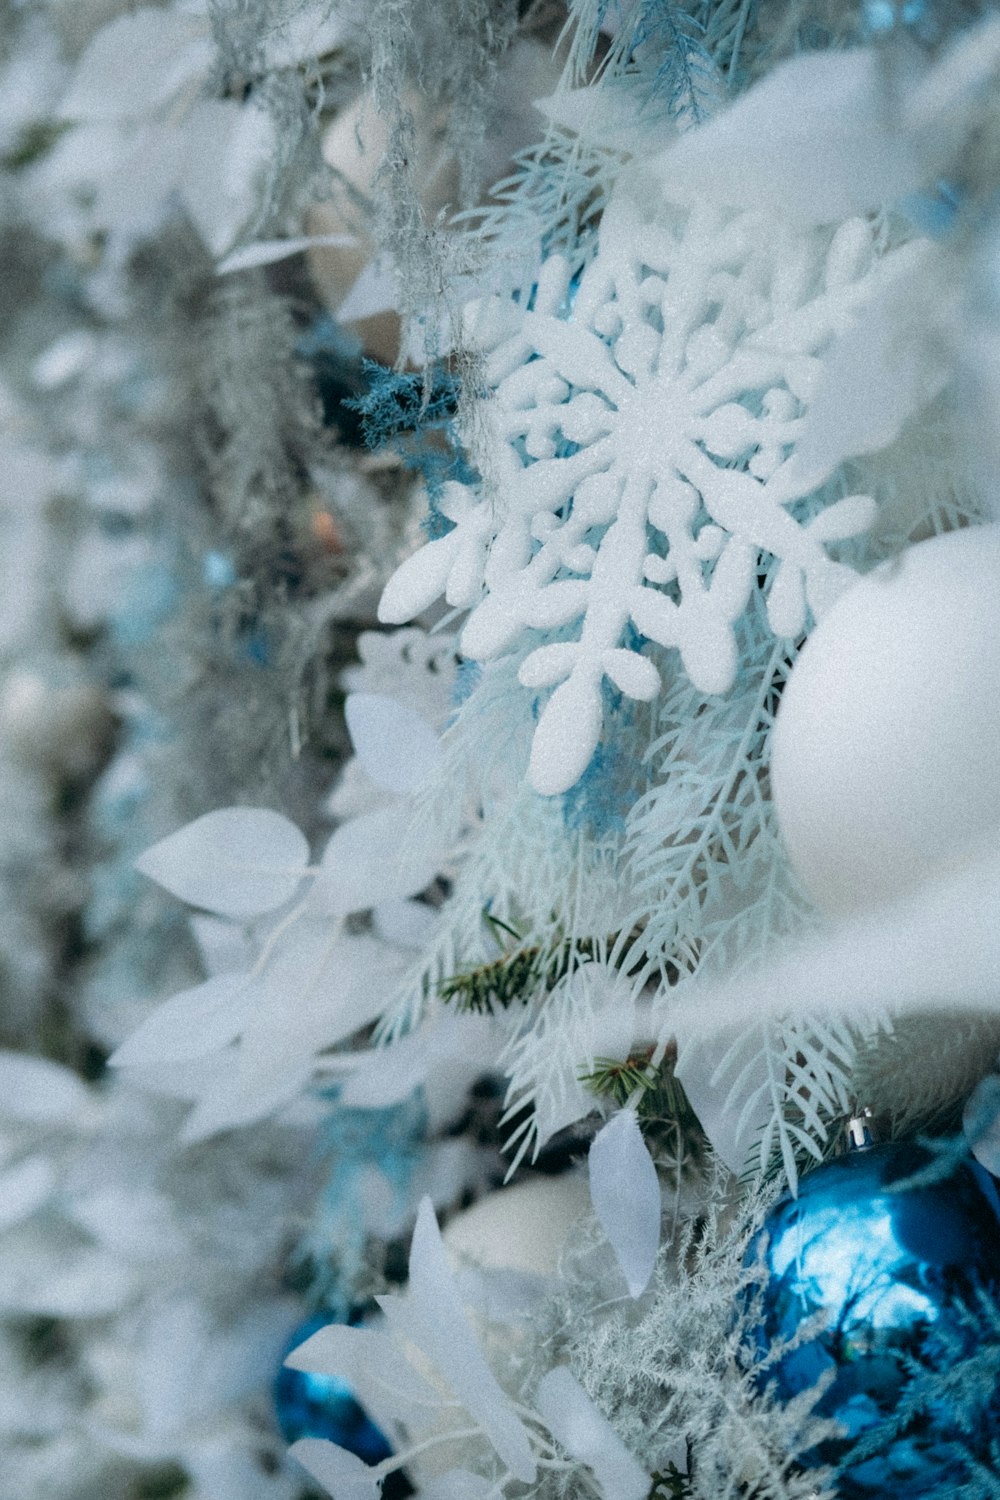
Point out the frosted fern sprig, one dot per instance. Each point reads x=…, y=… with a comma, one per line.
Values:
x=702, y=852
x=796, y=1077
x=642, y=457
x=892, y=1068
x=686, y=77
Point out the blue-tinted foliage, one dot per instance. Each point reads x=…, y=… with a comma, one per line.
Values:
x=672, y=44
x=413, y=415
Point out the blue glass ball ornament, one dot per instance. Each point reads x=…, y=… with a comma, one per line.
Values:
x=898, y=1276
x=323, y=1406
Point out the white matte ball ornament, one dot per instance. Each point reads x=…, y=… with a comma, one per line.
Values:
x=522, y=1228
x=885, y=768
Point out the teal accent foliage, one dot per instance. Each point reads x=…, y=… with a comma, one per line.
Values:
x=413, y=415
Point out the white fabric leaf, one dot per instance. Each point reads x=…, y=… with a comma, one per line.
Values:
x=39, y=1091
x=446, y=1057
x=241, y=1349
x=136, y=64
x=133, y=1222
x=937, y=949
x=317, y=989
x=396, y=746
x=222, y=946
x=877, y=375
x=457, y=1484
x=370, y=1361
x=222, y=1466
x=812, y=141
x=191, y=1024
x=408, y=924
x=431, y=1315
x=188, y=1361
x=730, y=1125
x=374, y=292
x=267, y=252
x=134, y=184
x=170, y=1373
x=186, y=1080
x=53, y=1276
x=229, y=151
x=587, y=1435
x=243, y=1090
x=345, y=1475
x=625, y=1192
x=372, y=859
x=23, y=1188
x=387, y=1075
x=237, y=862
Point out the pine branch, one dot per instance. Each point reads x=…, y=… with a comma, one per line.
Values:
x=670, y=1484
x=661, y=1103
x=517, y=974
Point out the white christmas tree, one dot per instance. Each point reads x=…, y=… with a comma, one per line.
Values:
x=499, y=668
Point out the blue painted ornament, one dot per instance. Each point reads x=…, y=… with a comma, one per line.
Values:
x=900, y=1275
x=323, y=1406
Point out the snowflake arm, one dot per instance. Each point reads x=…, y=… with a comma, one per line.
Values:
x=642, y=432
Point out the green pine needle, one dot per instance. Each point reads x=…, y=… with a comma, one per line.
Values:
x=663, y=1108
x=670, y=1484
x=517, y=974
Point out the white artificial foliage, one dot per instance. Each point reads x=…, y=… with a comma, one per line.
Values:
x=397, y=747
x=414, y=670
x=590, y=1014
x=773, y=1088
x=641, y=455
x=689, y=383
x=236, y=862
x=191, y=1024
x=166, y=1312
x=424, y=1373
x=586, y=1433
x=145, y=126
x=345, y=1476
x=378, y=856
x=625, y=1192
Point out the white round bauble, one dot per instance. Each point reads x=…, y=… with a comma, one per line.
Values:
x=55, y=728
x=522, y=1228
x=885, y=767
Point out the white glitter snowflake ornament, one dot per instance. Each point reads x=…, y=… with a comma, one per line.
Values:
x=642, y=458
